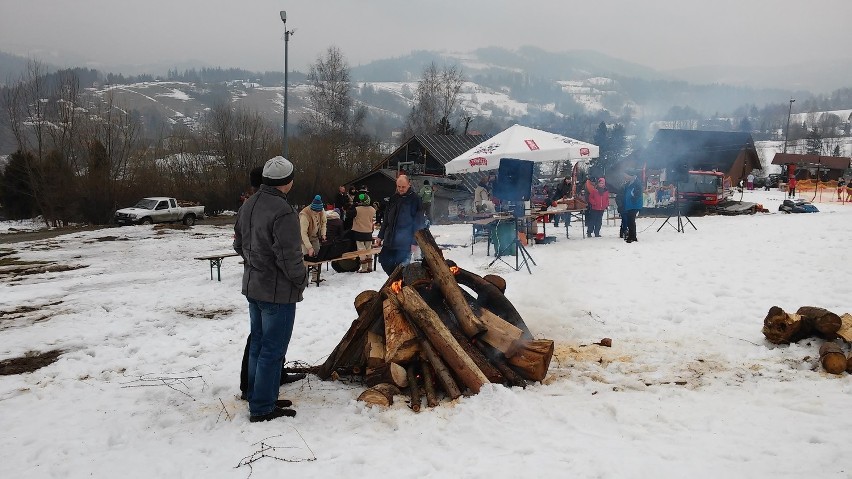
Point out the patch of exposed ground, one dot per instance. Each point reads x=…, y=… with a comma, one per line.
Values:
x=206, y=313
x=27, y=315
x=29, y=362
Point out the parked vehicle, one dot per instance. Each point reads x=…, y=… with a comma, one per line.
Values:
x=158, y=209
x=707, y=187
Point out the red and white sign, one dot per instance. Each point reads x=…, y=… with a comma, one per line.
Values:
x=479, y=161
x=584, y=152
x=531, y=144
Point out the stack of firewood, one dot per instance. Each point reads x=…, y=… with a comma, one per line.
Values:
x=423, y=334
x=781, y=327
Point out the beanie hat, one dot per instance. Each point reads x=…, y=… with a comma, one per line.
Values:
x=317, y=204
x=277, y=172
x=363, y=199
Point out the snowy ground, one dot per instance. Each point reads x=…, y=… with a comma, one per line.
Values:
x=690, y=387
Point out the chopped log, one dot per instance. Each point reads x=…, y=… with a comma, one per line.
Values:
x=441, y=370
x=501, y=334
x=429, y=385
x=401, y=342
x=533, y=358
x=780, y=327
x=416, y=274
x=380, y=395
x=374, y=350
x=413, y=389
x=363, y=300
x=849, y=364
x=845, y=331
x=832, y=358
x=391, y=373
x=823, y=320
x=442, y=340
x=497, y=281
x=493, y=374
x=351, y=344
x=471, y=325
x=488, y=296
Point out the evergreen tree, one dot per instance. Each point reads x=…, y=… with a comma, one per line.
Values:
x=18, y=198
x=814, y=143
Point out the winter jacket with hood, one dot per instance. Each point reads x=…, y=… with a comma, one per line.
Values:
x=598, y=199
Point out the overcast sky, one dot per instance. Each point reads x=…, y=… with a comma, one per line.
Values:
x=663, y=34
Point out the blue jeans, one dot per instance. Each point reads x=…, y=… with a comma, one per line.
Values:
x=391, y=258
x=271, y=328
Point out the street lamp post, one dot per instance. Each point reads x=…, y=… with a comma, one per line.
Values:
x=287, y=34
x=787, y=132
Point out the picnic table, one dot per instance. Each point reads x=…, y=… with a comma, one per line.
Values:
x=317, y=265
x=216, y=260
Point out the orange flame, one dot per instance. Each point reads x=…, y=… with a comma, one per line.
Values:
x=396, y=286
x=455, y=270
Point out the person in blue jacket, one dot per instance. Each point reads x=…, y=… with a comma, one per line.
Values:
x=632, y=203
x=403, y=217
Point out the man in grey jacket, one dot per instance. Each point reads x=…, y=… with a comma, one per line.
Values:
x=266, y=235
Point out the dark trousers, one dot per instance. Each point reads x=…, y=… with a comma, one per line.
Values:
x=391, y=258
x=244, y=367
x=594, y=219
x=631, y=224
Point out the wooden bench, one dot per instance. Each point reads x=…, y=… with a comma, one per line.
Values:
x=216, y=260
x=317, y=265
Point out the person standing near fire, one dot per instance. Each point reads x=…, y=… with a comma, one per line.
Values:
x=274, y=278
x=312, y=225
x=632, y=204
x=362, y=230
x=403, y=217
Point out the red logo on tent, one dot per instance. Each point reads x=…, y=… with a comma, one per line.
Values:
x=584, y=152
x=478, y=161
x=531, y=144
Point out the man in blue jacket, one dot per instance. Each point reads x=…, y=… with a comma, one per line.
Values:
x=632, y=203
x=403, y=216
x=267, y=236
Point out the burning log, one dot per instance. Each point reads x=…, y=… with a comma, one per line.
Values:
x=352, y=341
x=413, y=389
x=387, y=373
x=400, y=339
x=497, y=281
x=374, y=350
x=482, y=363
x=380, y=395
x=489, y=296
x=364, y=299
x=441, y=370
x=832, y=358
x=429, y=385
x=471, y=325
x=442, y=339
x=532, y=358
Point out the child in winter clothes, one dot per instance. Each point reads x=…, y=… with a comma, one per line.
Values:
x=598, y=203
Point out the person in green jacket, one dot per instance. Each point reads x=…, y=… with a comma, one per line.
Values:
x=426, y=194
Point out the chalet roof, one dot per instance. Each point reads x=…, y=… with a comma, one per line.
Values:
x=705, y=150
x=830, y=162
x=446, y=147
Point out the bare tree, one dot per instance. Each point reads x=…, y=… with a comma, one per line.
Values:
x=436, y=107
x=329, y=96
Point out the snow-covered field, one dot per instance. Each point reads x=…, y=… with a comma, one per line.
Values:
x=148, y=381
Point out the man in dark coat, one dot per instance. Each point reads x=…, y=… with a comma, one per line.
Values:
x=403, y=217
x=266, y=235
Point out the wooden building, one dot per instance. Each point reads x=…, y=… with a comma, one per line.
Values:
x=731, y=153
x=829, y=167
x=422, y=157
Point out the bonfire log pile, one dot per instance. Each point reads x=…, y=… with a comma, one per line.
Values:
x=781, y=327
x=425, y=336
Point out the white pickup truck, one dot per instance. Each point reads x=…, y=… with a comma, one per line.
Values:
x=158, y=209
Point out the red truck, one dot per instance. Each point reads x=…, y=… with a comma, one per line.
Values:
x=709, y=188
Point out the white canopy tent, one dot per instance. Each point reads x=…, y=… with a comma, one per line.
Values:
x=523, y=143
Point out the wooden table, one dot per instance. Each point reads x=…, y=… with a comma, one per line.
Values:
x=216, y=260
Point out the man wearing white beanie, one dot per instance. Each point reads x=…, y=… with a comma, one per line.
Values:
x=266, y=235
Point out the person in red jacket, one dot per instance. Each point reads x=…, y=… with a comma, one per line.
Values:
x=598, y=202
x=791, y=187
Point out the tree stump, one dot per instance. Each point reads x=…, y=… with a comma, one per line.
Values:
x=780, y=327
